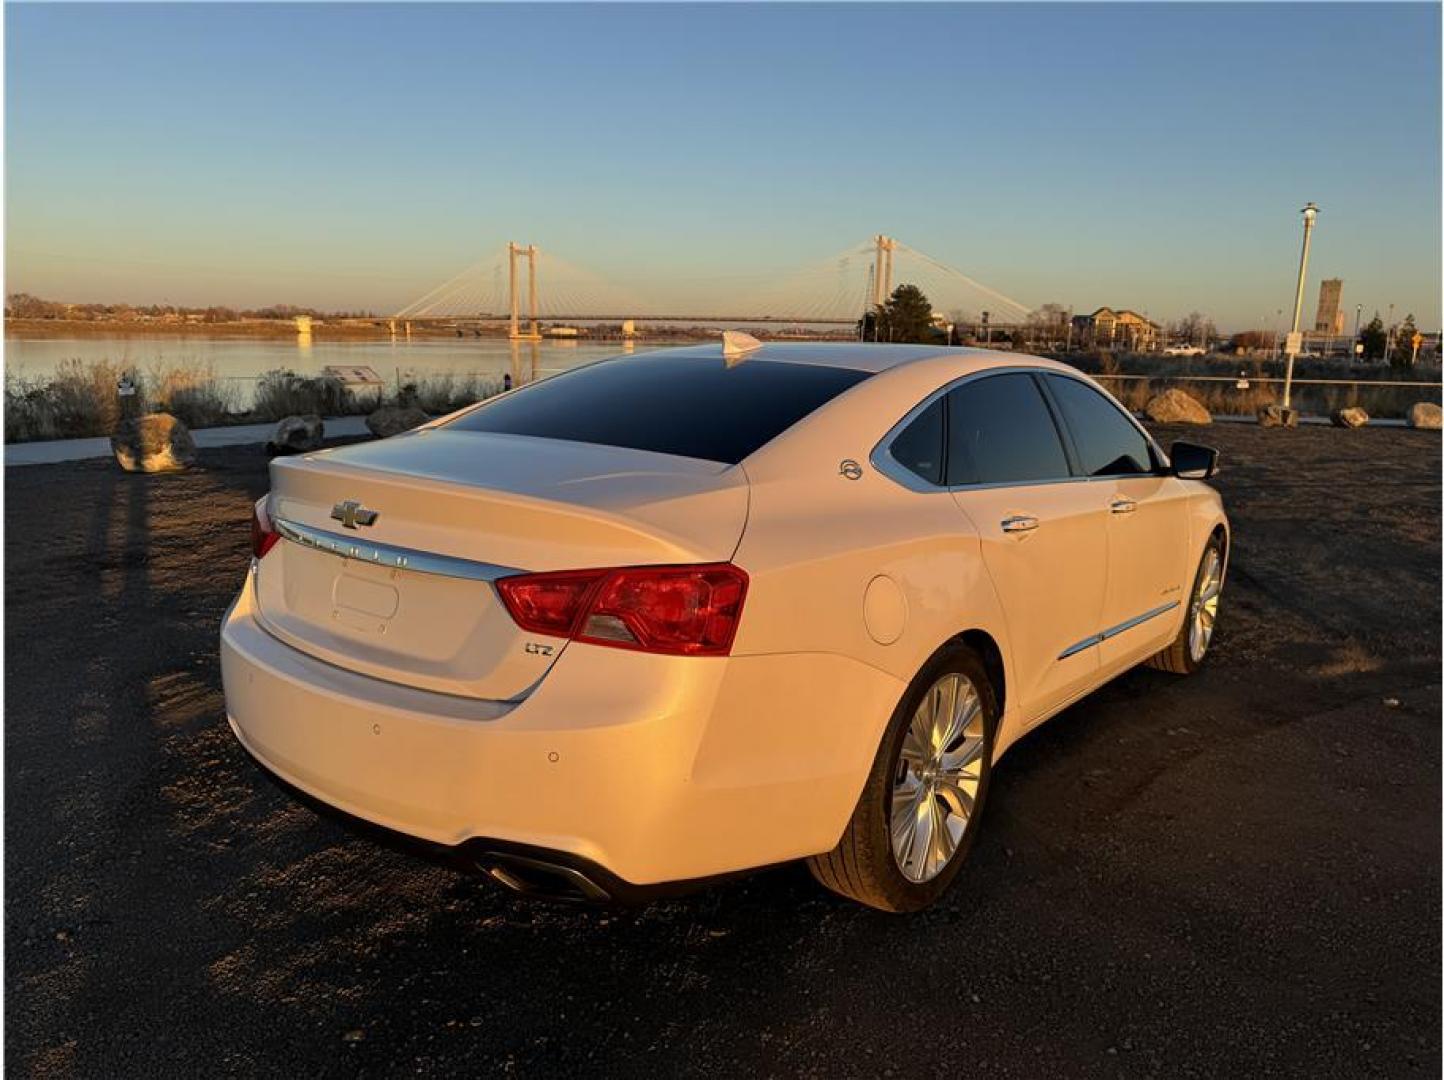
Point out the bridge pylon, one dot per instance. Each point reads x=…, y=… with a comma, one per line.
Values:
x=882, y=269
x=514, y=249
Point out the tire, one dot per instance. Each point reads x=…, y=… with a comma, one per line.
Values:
x=1182, y=657
x=863, y=866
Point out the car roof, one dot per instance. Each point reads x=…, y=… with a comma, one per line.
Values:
x=857, y=355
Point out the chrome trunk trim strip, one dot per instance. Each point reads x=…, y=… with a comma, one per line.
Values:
x=398, y=558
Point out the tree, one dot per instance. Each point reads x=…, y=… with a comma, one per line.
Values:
x=1373, y=338
x=1404, y=343
x=1195, y=328
x=907, y=316
x=1047, y=327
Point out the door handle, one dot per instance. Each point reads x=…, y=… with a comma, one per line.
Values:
x=1123, y=505
x=1019, y=523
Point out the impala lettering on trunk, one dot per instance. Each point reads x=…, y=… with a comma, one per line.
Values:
x=351, y=513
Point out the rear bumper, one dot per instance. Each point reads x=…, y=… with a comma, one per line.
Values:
x=532, y=871
x=631, y=769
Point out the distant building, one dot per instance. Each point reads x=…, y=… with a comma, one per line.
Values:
x=1330, y=317
x=1116, y=328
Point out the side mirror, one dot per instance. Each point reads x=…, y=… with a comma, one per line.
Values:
x=1193, y=462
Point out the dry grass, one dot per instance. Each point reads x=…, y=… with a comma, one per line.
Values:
x=437, y=394
x=80, y=400
x=284, y=393
x=194, y=393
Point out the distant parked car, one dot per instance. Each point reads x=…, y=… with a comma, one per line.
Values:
x=673, y=616
x=1185, y=350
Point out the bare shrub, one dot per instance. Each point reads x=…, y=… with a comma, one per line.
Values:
x=444, y=393
x=193, y=393
x=283, y=393
x=79, y=400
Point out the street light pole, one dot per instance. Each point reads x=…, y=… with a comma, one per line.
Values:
x=1310, y=212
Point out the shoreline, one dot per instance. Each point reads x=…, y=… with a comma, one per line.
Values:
x=361, y=329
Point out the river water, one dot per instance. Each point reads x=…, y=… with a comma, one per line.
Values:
x=246, y=359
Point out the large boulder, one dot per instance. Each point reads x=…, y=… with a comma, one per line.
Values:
x=1425, y=415
x=1278, y=416
x=297, y=434
x=1173, y=406
x=155, y=442
x=394, y=419
x=1352, y=416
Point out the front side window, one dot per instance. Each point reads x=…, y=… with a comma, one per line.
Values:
x=1000, y=431
x=1107, y=444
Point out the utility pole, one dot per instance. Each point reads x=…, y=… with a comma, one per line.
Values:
x=1310, y=212
x=1389, y=336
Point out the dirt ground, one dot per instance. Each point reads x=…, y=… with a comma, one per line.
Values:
x=1235, y=873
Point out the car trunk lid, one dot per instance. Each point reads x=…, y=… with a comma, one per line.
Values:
x=410, y=598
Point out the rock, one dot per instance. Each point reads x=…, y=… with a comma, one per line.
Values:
x=1278, y=416
x=1175, y=407
x=394, y=419
x=297, y=434
x=155, y=442
x=1353, y=416
x=1424, y=415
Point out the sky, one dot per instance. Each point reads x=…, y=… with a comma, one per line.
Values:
x=353, y=156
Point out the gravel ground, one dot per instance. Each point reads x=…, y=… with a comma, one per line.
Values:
x=1233, y=873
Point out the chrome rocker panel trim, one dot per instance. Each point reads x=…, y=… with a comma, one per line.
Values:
x=1114, y=631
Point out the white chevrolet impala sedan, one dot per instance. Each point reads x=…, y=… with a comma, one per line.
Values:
x=677, y=615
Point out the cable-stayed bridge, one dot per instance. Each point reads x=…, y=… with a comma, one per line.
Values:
x=527, y=285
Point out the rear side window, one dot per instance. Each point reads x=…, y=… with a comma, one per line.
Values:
x=1107, y=444
x=1000, y=431
x=690, y=406
x=919, y=446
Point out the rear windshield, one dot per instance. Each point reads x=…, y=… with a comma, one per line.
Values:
x=695, y=407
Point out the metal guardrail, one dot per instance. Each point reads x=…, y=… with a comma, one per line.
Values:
x=1270, y=379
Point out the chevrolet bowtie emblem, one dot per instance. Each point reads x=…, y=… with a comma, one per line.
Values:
x=351, y=513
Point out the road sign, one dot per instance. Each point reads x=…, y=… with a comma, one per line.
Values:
x=1294, y=343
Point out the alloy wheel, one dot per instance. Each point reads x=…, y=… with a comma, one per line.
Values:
x=1204, y=609
x=935, y=786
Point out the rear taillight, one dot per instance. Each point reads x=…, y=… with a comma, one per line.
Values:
x=681, y=610
x=263, y=537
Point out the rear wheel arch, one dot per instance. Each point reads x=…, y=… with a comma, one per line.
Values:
x=987, y=648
